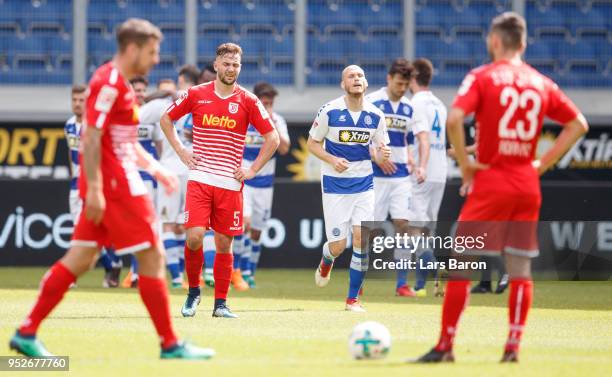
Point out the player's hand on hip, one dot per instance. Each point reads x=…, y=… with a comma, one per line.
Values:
x=242, y=174
x=467, y=175
x=537, y=165
x=189, y=158
x=95, y=204
x=168, y=180
x=387, y=167
x=340, y=164
x=421, y=174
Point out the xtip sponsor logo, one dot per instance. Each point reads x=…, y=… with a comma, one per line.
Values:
x=396, y=123
x=589, y=153
x=350, y=136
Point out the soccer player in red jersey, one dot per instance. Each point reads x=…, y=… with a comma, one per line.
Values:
x=222, y=111
x=117, y=210
x=510, y=100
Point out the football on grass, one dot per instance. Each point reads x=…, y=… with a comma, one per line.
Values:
x=369, y=340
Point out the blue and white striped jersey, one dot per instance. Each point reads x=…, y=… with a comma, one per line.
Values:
x=402, y=121
x=349, y=135
x=72, y=130
x=149, y=130
x=252, y=146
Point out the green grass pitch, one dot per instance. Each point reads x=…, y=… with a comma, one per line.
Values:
x=288, y=327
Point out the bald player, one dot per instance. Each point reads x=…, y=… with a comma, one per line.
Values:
x=340, y=137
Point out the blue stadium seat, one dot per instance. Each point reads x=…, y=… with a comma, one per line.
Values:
x=583, y=67
x=548, y=67
x=311, y=30
x=97, y=28
x=432, y=48
x=217, y=30
x=465, y=17
x=277, y=77
x=63, y=62
x=428, y=23
x=207, y=46
x=32, y=61
x=320, y=14
x=389, y=15
x=583, y=50
x=173, y=45
x=551, y=24
x=372, y=48
x=331, y=66
x=218, y=11
x=46, y=28
x=384, y=31
x=341, y=30
x=10, y=28
x=539, y=50
x=168, y=63
x=324, y=48
x=100, y=45
x=258, y=30
x=172, y=29
x=283, y=47
x=253, y=46
x=251, y=63
x=427, y=17
x=281, y=64
x=375, y=69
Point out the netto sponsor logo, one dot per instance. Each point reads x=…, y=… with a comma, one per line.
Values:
x=349, y=136
x=217, y=121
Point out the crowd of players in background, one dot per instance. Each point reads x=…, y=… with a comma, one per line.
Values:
x=408, y=187
x=369, y=172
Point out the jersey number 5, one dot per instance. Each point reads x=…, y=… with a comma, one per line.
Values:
x=525, y=128
x=236, y=218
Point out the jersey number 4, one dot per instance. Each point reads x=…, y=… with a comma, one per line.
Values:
x=436, y=126
x=529, y=101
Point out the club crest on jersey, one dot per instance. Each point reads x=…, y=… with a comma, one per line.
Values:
x=181, y=97
x=233, y=107
x=368, y=120
x=350, y=136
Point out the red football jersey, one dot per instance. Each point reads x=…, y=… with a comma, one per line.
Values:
x=219, y=129
x=510, y=102
x=111, y=107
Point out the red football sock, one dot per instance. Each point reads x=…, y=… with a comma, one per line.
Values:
x=194, y=259
x=519, y=302
x=52, y=288
x=154, y=294
x=222, y=273
x=455, y=301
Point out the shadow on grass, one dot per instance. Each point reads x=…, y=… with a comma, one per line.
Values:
x=298, y=284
